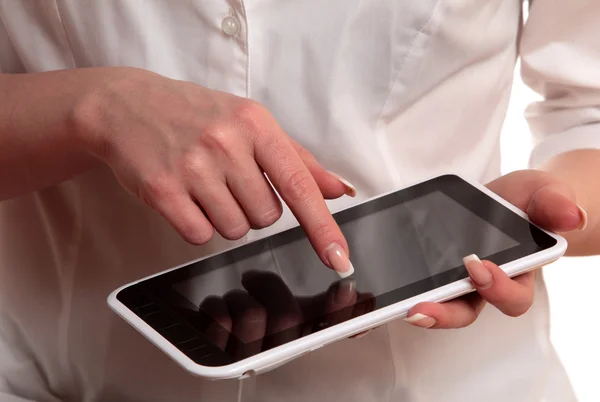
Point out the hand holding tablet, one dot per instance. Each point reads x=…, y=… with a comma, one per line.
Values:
x=407, y=247
x=549, y=203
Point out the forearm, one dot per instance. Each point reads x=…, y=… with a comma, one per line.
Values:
x=580, y=169
x=39, y=142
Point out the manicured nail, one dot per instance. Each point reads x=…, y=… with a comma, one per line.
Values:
x=421, y=320
x=350, y=189
x=361, y=335
x=345, y=291
x=338, y=260
x=480, y=275
x=584, y=218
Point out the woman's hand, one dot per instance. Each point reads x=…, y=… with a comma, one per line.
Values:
x=550, y=204
x=199, y=157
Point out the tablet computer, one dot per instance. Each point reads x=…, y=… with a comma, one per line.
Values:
x=254, y=307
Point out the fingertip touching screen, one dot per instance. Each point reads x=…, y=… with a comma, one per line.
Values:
x=266, y=293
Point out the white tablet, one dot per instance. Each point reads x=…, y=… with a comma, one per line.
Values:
x=254, y=307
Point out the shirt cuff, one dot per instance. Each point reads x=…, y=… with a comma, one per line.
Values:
x=580, y=137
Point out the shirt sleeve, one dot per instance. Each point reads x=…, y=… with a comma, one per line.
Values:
x=9, y=60
x=560, y=60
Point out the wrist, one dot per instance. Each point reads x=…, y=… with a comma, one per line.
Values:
x=90, y=117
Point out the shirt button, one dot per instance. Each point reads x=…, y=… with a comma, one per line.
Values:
x=230, y=26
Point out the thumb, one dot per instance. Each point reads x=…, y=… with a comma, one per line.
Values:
x=331, y=185
x=554, y=208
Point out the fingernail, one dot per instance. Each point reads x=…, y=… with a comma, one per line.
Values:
x=480, y=275
x=584, y=218
x=361, y=335
x=350, y=189
x=338, y=260
x=345, y=291
x=421, y=320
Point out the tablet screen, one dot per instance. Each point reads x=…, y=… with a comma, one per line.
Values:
x=276, y=290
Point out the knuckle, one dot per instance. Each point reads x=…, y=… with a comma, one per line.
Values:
x=268, y=218
x=299, y=185
x=194, y=235
x=217, y=139
x=250, y=113
x=235, y=232
x=323, y=231
x=256, y=123
x=194, y=168
x=158, y=187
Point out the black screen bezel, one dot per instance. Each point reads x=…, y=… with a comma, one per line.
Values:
x=155, y=301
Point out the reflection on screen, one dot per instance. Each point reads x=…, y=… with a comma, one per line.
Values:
x=390, y=249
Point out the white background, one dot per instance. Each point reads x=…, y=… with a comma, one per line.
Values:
x=572, y=282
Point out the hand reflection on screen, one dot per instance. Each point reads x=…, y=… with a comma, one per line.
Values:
x=266, y=313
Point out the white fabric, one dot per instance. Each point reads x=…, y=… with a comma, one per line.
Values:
x=383, y=92
x=560, y=54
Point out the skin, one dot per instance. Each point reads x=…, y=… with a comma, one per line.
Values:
x=550, y=203
x=543, y=194
x=185, y=151
x=196, y=156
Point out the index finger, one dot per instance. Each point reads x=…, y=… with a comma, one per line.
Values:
x=299, y=190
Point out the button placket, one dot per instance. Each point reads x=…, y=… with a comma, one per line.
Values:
x=233, y=26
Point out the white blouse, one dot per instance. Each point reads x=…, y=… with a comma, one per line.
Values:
x=383, y=92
